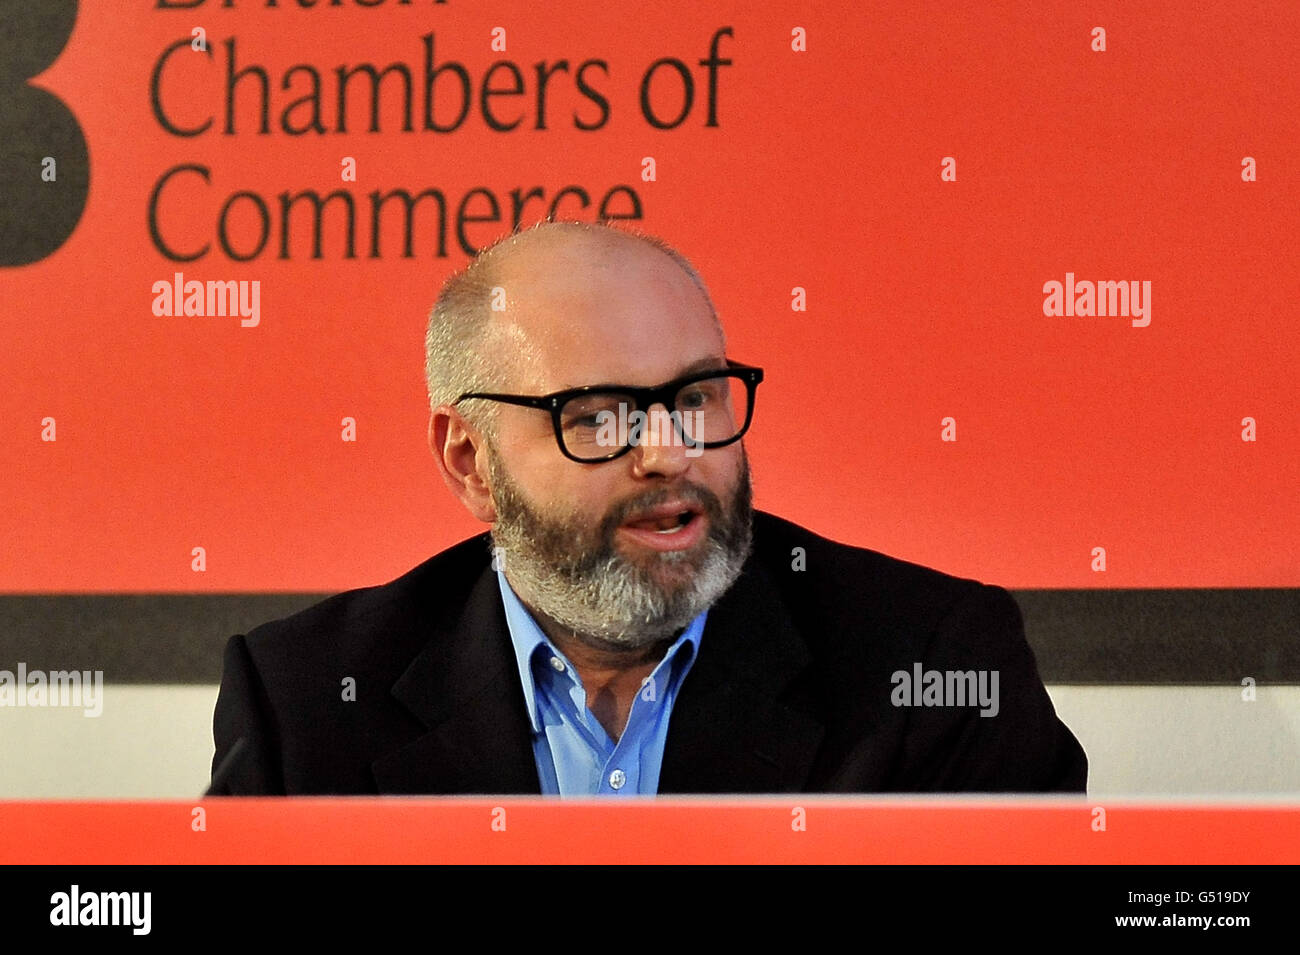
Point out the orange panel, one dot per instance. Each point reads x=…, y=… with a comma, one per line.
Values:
x=397, y=831
x=818, y=169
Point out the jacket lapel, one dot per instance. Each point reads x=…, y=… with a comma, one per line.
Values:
x=464, y=687
x=742, y=721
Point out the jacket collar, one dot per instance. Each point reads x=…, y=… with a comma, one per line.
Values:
x=464, y=687
x=738, y=724
x=742, y=721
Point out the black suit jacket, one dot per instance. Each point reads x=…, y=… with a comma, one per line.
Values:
x=790, y=692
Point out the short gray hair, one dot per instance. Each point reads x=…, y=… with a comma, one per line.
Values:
x=455, y=352
x=456, y=358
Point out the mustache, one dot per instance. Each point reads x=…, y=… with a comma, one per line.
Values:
x=574, y=549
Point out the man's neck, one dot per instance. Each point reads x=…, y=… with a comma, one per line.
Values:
x=612, y=676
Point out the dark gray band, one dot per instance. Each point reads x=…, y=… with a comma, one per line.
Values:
x=1079, y=636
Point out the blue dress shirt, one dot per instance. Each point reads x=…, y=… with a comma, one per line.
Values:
x=575, y=756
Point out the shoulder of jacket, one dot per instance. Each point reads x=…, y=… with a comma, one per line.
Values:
x=437, y=586
x=853, y=578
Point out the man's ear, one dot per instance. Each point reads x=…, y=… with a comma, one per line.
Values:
x=455, y=444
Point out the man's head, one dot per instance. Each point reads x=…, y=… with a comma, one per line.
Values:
x=595, y=547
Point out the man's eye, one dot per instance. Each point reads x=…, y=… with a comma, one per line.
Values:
x=589, y=415
x=695, y=398
x=593, y=411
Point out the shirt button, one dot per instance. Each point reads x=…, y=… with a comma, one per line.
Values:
x=617, y=779
x=557, y=664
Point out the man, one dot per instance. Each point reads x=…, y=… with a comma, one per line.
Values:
x=629, y=625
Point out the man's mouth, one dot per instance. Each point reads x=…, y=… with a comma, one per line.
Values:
x=667, y=527
x=664, y=525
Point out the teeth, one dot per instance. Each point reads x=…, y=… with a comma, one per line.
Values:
x=682, y=520
x=667, y=525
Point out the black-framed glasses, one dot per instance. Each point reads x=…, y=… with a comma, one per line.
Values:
x=704, y=410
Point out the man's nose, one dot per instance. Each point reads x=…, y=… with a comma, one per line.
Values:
x=660, y=450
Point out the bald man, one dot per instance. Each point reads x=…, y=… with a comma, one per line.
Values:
x=629, y=625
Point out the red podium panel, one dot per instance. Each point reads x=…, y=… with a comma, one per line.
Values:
x=395, y=830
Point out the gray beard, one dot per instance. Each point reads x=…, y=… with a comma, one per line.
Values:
x=571, y=572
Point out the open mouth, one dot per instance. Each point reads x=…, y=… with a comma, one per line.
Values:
x=672, y=527
x=668, y=524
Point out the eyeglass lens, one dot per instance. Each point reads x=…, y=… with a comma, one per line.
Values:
x=596, y=423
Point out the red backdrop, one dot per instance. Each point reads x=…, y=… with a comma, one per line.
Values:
x=822, y=171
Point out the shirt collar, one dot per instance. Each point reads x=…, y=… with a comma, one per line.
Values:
x=528, y=640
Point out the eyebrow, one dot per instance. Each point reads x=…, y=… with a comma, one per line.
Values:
x=703, y=364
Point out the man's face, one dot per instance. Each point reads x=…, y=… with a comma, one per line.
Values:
x=601, y=548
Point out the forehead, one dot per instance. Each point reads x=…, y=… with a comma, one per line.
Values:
x=585, y=309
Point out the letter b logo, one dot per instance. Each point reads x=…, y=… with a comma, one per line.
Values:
x=40, y=202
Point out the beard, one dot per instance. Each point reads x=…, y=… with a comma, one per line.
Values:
x=571, y=571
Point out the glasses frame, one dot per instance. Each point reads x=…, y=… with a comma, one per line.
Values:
x=645, y=398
